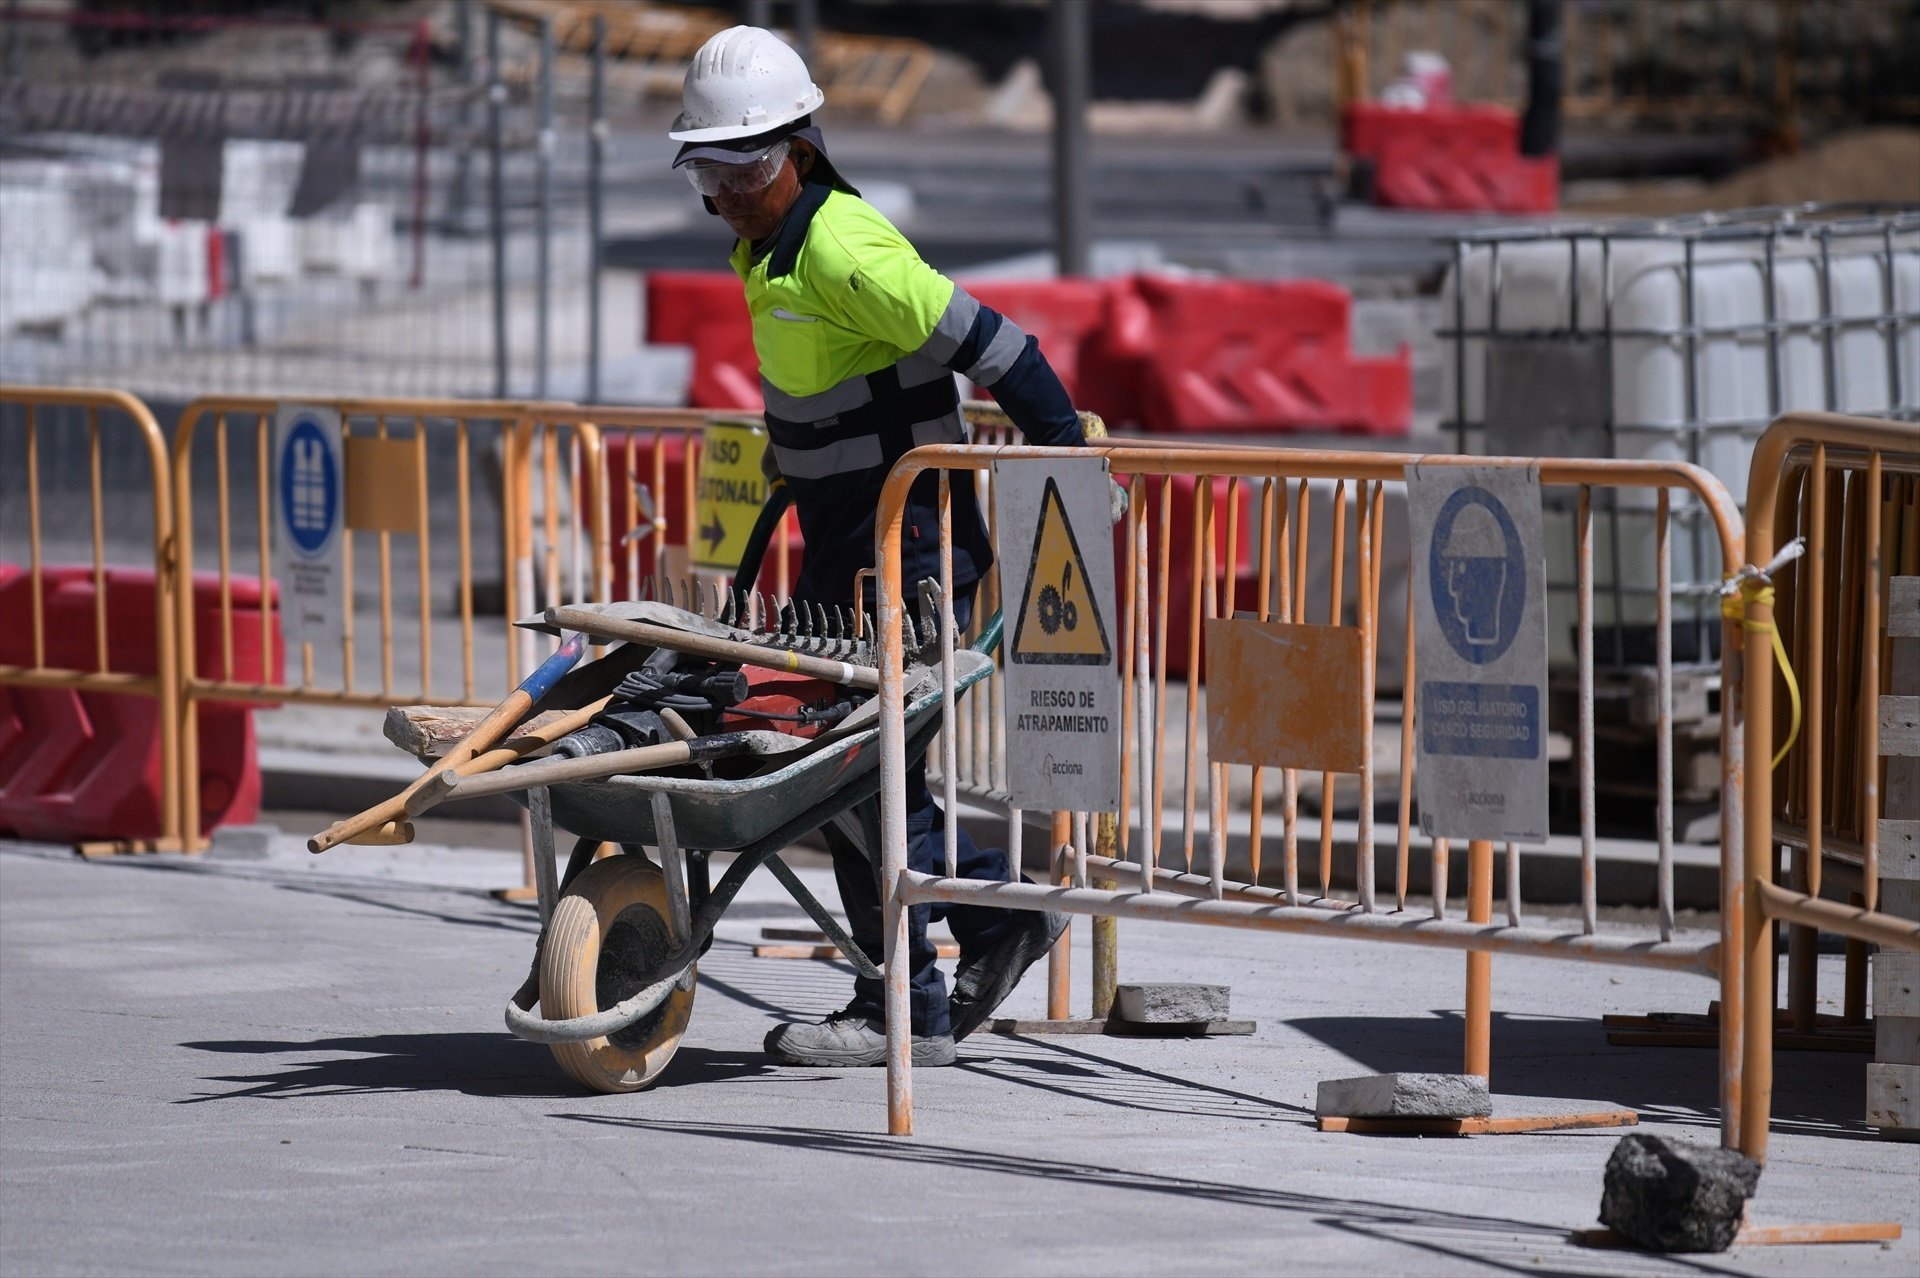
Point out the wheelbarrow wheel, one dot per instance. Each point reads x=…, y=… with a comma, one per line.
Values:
x=609, y=929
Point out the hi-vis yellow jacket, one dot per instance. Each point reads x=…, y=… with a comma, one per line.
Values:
x=858, y=341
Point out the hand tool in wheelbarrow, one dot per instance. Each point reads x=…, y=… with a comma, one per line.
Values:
x=383, y=819
x=444, y=786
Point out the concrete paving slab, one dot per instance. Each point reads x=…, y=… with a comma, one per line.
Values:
x=296, y=1065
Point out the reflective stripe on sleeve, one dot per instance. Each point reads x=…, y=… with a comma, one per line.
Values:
x=1001, y=352
x=952, y=329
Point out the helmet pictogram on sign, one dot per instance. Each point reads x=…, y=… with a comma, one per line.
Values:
x=1477, y=575
x=1059, y=621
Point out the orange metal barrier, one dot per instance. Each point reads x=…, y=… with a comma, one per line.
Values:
x=394, y=448
x=1276, y=495
x=33, y=666
x=1850, y=487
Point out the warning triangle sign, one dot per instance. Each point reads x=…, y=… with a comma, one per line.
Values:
x=1059, y=623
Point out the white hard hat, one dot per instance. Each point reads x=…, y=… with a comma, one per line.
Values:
x=744, y=81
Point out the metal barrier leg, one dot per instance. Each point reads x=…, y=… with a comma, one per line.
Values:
x=1756, y=1100
x=1106, y=930
x=1059, y=973
x=1479, y=1014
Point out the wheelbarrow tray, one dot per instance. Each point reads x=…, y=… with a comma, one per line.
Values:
x=718, y=815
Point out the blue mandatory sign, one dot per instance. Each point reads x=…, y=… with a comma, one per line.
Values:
x=309, y=486
x=1477, y=575
x=1480, y=720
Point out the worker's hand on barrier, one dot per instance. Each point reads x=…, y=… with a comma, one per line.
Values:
x=1116, y=500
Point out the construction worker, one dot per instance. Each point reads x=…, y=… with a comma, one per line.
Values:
x=858, y=342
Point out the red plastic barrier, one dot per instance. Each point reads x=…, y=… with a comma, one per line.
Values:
x=1454, y=157
x=85, y=765
x=1162, y=353
x=1242, y=355
x=1063, y=314
x=707, y=310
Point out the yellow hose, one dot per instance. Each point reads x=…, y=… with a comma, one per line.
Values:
x=1733, y=607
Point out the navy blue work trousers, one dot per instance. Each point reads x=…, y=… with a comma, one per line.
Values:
x=976, y=929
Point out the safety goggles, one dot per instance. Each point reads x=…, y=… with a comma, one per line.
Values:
x=750, y=173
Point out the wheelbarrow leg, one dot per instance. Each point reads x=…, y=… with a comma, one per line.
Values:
x=673, y=863
x=818, y=913
x=540, y=818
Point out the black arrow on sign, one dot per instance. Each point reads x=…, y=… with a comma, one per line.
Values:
x=714, y=533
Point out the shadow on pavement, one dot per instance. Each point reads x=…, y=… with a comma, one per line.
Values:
x=1517, y=1246
x=1053, y=1066
x=488, y=1065
x=1820, y=1093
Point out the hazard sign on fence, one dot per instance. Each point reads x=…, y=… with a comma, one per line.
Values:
x=1480, y=641
x=1063, y=683
x=730, y=493
x=309, y=517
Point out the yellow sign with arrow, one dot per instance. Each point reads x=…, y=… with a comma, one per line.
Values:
x=729, y=494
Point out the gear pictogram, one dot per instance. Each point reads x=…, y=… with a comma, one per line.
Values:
x=1050, y=610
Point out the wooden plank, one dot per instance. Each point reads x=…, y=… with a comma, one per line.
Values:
x=427, y=732
x=1830, y=1040
x=1479, y=1126
x=1856, y=1231
x=1893, y=1095
x=1900, y=727
x=1761, y=1235
x=1903, y=608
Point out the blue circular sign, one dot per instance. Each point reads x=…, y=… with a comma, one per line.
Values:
x=309, y=486
x=1477, y=575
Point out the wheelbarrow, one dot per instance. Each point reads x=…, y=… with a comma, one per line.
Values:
x=614, y=968
x=621, y=935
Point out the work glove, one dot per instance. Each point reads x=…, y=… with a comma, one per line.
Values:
x=1116, y=500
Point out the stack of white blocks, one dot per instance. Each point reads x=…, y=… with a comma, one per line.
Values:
x=1893, y=1079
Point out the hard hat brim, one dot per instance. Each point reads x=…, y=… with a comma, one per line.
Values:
x=678, y=131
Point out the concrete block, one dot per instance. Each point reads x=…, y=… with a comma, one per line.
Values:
x=1899, y=850
x=1405, y=1096
x=1675, y=1196
x=1893, y=1095
x=1172, y=1003
x=1896, y=984
x=1900, y=897
x=243, y=842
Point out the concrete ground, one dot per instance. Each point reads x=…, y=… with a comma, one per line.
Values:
x=295, y=1064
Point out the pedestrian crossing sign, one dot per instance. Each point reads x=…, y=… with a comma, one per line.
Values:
x=1059, y=622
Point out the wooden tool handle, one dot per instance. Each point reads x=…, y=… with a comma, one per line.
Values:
x=865, y=678
x=593, y=767
x=485, y=734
